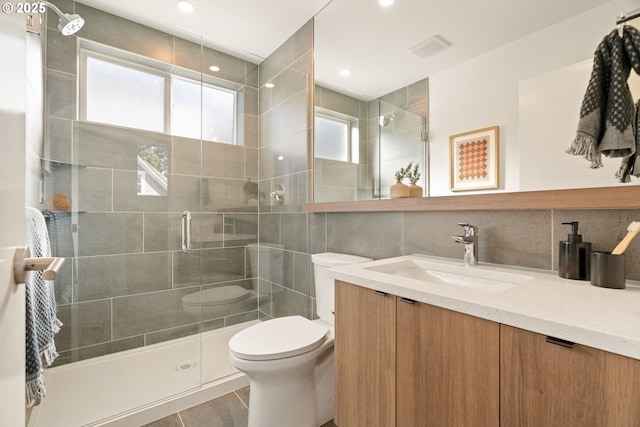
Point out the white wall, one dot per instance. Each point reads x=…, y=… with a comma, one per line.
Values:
x=484, y=92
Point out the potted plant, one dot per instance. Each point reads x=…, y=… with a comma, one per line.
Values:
x=399, y=189
x=414, y=175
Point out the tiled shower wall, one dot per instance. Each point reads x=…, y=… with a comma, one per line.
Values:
x=286, y=114
x=126, y=276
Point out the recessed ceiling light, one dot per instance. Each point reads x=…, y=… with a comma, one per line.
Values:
x=214, y=68
x=185, y=6
x=385, y=3
x=269, y=85
x=345, y=72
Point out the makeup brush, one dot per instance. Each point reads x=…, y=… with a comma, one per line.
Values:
x=633, y=229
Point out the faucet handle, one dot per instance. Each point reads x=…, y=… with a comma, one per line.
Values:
x=469, y=230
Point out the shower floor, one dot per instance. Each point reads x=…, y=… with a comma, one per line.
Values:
x=98, y=391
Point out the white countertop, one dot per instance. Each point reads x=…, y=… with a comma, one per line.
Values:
x=574, y=310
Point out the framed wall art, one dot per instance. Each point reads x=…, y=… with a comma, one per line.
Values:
x=474, y=159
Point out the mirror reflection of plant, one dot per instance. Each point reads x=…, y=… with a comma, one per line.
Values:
x=413, y=174
x=403, y=173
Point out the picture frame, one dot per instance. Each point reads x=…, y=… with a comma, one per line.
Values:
x=474, y=159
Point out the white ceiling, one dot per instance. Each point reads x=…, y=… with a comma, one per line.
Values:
x=373, y=42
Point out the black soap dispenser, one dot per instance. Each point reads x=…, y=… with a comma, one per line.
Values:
x=574, y=255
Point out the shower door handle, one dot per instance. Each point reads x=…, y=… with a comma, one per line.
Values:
x=186, y=232
x=22, y=263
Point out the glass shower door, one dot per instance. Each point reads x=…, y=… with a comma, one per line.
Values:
x=116, y=183
x=400, y=142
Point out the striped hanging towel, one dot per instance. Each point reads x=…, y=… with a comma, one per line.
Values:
x=41, y=320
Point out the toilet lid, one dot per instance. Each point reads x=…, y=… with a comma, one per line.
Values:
x=278, y=338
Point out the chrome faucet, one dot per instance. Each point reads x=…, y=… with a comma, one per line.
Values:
x=470, y=240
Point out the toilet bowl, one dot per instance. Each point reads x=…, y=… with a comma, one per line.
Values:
x=289, y=360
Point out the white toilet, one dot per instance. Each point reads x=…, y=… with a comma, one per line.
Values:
x=289, y=360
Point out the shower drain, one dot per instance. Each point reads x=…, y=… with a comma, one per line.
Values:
x=185, y=366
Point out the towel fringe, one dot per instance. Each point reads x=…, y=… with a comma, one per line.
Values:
x=48, y=355
x=586, y=146
x=35, y=390
x=56, y=325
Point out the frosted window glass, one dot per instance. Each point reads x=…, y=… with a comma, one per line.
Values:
x=191, y=101
x=124, y=96
x=332, y=139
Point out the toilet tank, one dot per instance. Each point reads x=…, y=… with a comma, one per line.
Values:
x=325, y=288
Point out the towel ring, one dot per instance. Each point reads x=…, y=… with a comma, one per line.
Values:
x=22, y=263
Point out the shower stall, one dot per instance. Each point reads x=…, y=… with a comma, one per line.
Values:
x=149, y=188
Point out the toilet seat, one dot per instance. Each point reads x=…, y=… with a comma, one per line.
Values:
x=278, y=339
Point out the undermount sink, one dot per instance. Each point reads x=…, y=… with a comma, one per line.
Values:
x=479, y=277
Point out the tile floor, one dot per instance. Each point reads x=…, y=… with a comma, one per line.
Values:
x=230, y=410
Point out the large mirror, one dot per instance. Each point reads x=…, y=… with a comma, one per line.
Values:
x=359, y=144
x=527, y=74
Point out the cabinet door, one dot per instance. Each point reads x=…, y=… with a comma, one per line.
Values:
x=448, y=368
x=365, y=357
x=547, y=384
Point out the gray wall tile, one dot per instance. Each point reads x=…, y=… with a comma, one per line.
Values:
x=288, y=303
x=109, y=233
x=223, y=265
x=303, y=39
x=114, y=275
x=84, y=324
x=150, y=312
x=162, y=232
x=231, y=68
x=186, y=156
x=97, y=350
x=241, y=318
x=61, y=53
x=375, y=235
x=113, y=147
x=114, y=31
x=60, y=96
x=499, y=242
x=187, y=54
x=58, y=135
x=171, y=334
x=295, y=232
x=94, y=187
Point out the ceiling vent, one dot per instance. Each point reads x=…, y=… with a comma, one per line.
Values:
x=430, y=46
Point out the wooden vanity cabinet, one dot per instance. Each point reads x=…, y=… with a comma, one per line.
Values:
x=407, y=364
x=447, y=368
x=548, y=382
x=365, y=357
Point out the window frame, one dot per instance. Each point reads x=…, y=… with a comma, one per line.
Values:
x=323, y=114
x=168, y=77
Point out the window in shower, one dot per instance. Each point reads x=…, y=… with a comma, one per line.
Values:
x=336, y=138
x=124, y=96
x=123, y=93
x=202, y=109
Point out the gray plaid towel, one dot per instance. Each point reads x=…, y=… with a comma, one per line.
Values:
x=41, y=321
x=607, y=116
